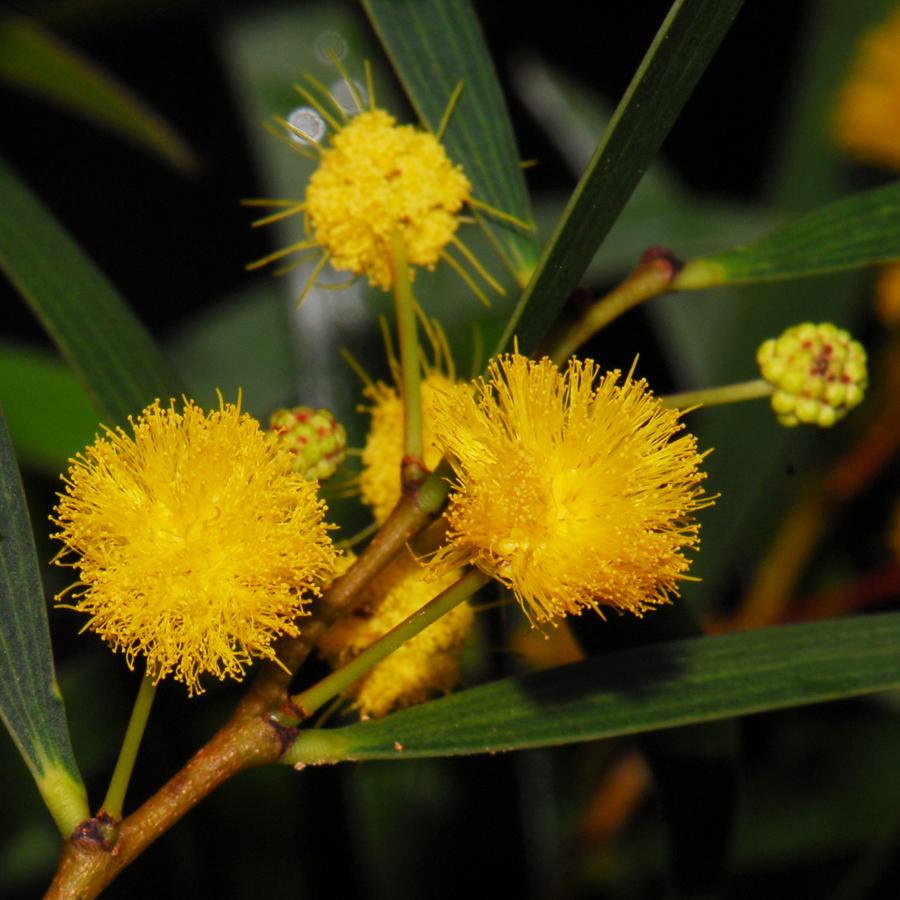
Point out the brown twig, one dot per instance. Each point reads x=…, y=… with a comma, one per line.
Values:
x=257, y=733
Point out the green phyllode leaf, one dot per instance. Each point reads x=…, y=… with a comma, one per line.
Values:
x=860, y=231
x=677, y=58
x=40, y=63
x=632, y=691
x=31, y=705
x=434, y=45
x=107, y=347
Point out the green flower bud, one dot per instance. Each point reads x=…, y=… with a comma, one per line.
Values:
x=317, y=442
x=819, y=372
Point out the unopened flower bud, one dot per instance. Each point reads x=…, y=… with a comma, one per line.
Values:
x=819, y=373
x=317, y=442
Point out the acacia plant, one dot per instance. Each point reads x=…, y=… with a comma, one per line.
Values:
x=221, y=540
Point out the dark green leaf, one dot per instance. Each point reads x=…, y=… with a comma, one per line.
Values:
x=48, y=412
x=435, y=44
x=96, y=333
x=37, y=62
x=860, y=231
x=632, y=691
x=674, y=63
x=30, y=702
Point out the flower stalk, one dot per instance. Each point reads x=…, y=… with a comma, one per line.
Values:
x=118, y=785
x=405, y=308
x=257, y=733
x=716, y=396
x=319, y=694
x=654, y=276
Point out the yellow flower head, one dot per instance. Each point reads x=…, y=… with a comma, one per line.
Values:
x=573, y=496
x=867, y=116
x=375, y=180
x=382, y=457
x=379, y=177
x=422, y=668
x=196, y=541
x=379, y=481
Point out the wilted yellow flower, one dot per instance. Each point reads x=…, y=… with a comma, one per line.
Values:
x=867, y=116
x=573, y=496
x=423, y=667
x=196, y=541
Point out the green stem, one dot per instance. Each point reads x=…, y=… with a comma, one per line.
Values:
x=319, y=694
x=115, y=796
x=650, y=279
x=405, y=307
x=729, y=393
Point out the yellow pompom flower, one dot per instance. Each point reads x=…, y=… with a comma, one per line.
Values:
x=379, y=481
x=379, y=177
x=867, y=116
x=424, y=667
x=382, y=456
x=376, y=179
x=197, y=542
x=572, y=495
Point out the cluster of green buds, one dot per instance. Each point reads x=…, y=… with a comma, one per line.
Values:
x=818, y=371
x=316, y=440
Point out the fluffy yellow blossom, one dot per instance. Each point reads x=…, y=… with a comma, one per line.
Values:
x=867, y=116
x=379, y=481
x=573, y=495
x=196, y=541
x=379, y=177
x=424, y=667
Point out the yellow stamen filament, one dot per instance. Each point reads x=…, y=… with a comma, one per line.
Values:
x=308, y=97
x=466, y=277
x=279, y=254
x=477, y=266
x=451, y=104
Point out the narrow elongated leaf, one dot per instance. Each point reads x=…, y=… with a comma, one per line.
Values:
x=434, y=45
x=30, y=702
x=36, y=61
x=674, y=63
x=100, y=338
x=632, y=691
x=859, y=231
